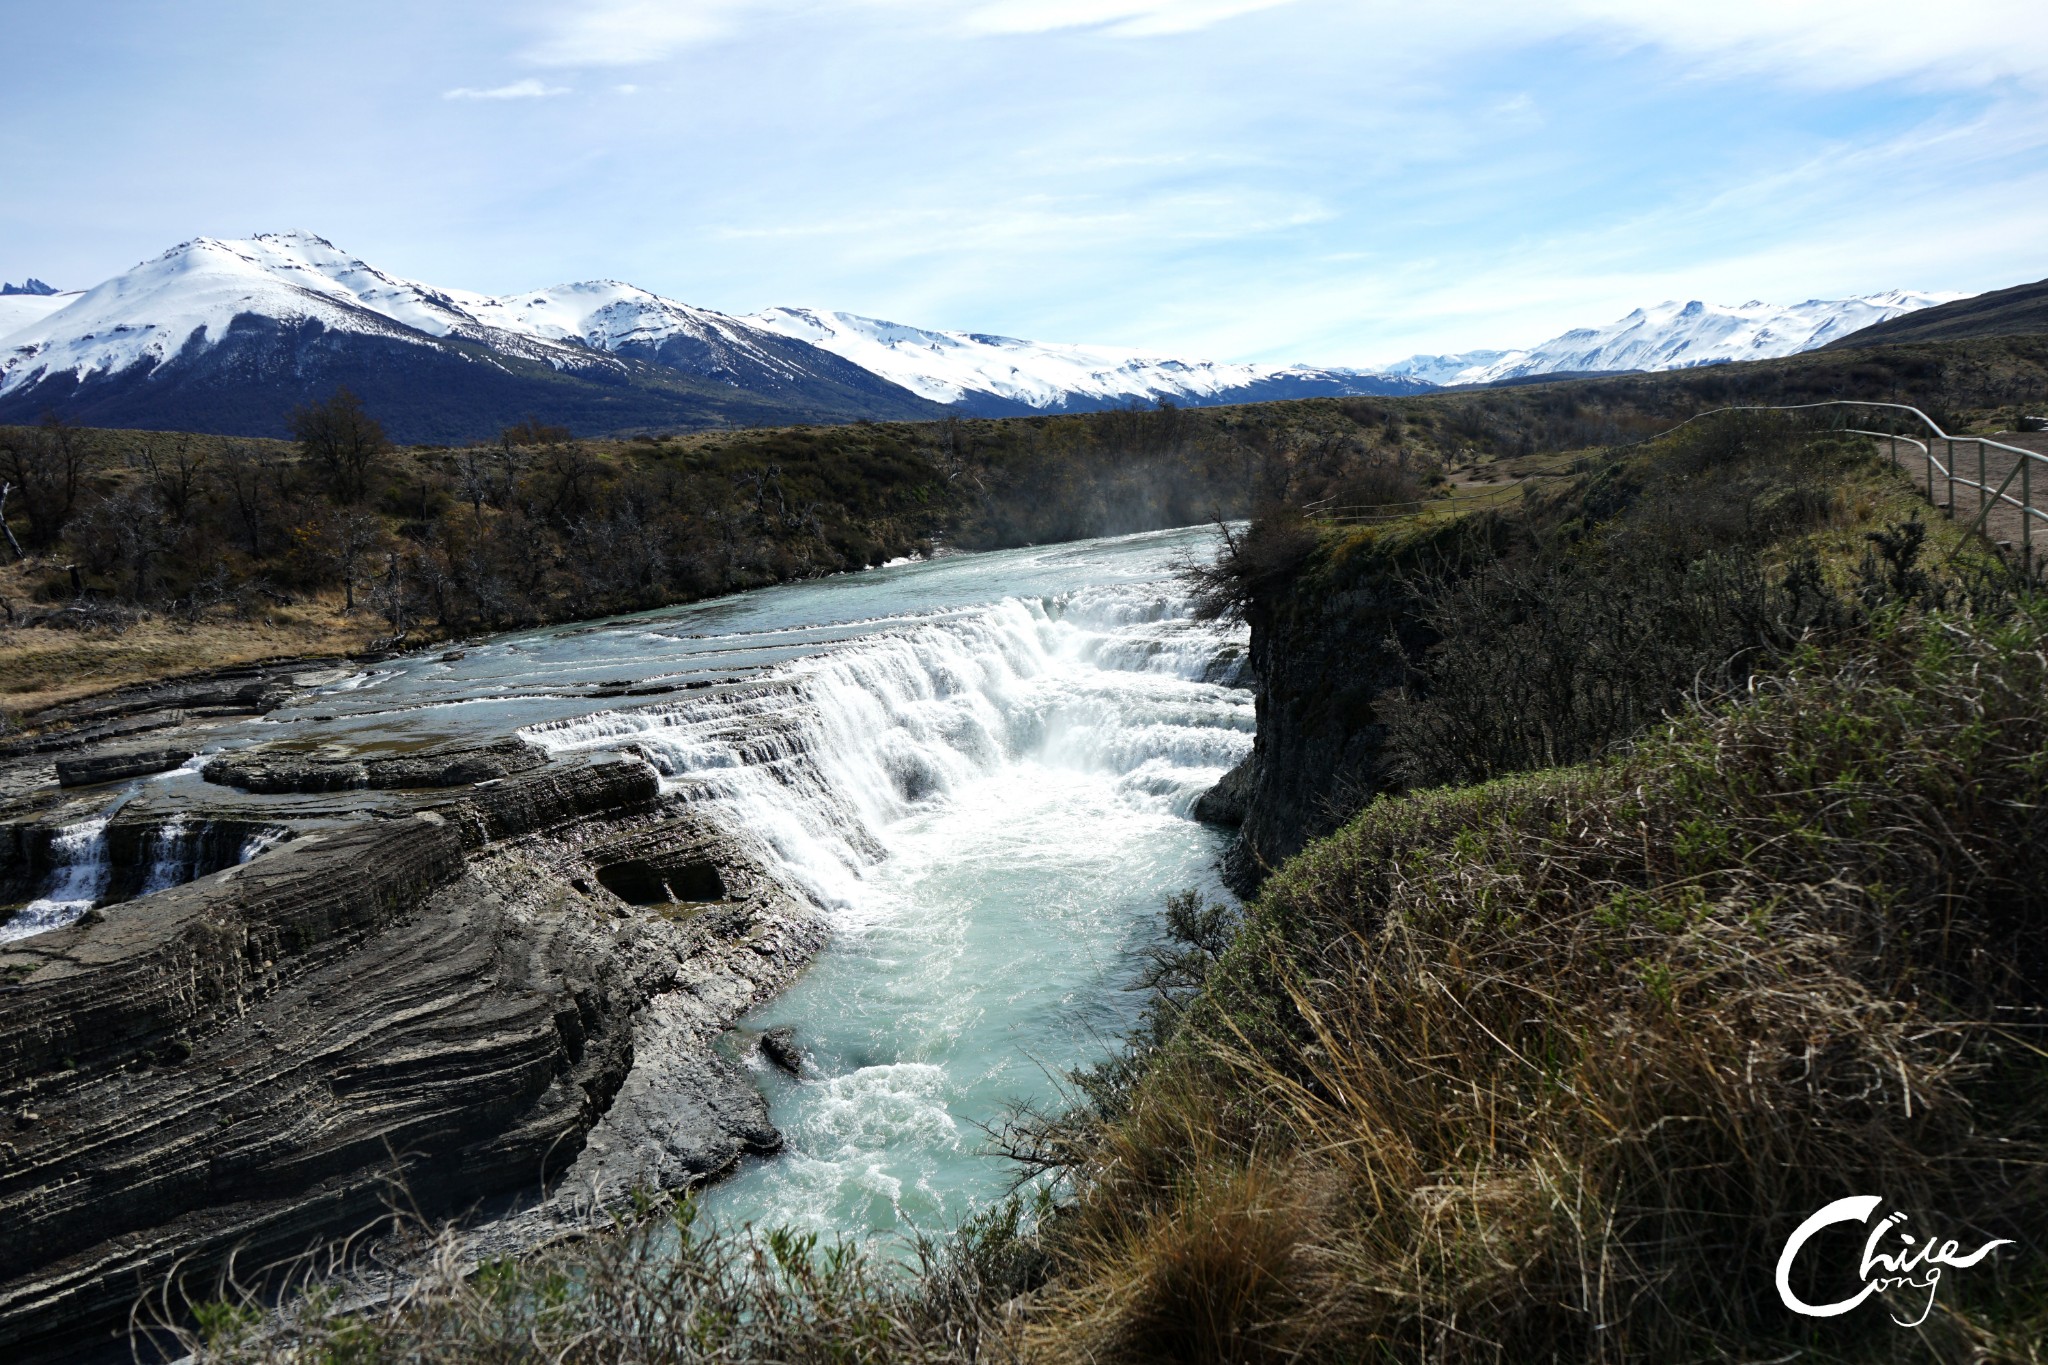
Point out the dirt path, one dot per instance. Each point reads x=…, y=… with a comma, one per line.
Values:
x=2003, y=524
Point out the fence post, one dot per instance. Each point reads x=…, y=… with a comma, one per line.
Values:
x=1983, y=485
x=2027, y=517
x=1949, y=446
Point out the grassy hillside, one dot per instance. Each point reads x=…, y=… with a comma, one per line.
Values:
x=1546, y=1062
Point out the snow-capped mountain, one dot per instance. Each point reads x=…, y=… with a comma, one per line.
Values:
x=193, y=293
x=187, y=298
x=1675, y=335
x=230, y=335
x=994, y=374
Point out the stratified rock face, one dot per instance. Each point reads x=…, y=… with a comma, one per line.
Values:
x=114, y=763
x=275, y=770
x=451, y=999
x=104, y=994
x=246, y=689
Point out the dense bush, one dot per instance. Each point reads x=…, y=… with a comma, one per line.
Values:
x=544, y=527
x=1676, y=574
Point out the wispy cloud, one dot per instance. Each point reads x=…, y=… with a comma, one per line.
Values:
x=517, y=90
x=1131, y=18
x=1323, y=180
x=1817, y=43
x=632, y=32
x=1836, y=44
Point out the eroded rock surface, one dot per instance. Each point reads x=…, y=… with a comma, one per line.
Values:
x=454, y=997
x=114, y=762
x=243, y=690
x=458, y=765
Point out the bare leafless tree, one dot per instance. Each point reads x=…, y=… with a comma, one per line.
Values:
x=340, y=438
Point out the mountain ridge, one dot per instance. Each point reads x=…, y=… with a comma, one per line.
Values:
x=231, y=334
x=2018, y=310
x=1673, y=335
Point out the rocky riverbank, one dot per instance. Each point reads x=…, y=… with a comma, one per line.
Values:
x=502, y=983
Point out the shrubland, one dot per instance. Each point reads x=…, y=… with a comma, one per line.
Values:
x=221, y=550
x=1713, y=895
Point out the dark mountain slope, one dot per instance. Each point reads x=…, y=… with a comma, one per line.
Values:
x=2019, y=311
x=448, y=389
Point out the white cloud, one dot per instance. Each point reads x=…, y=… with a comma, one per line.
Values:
x=517, y=90
x=1135, y=18
x=631, y=32
x=1839, y=43
x=1816, y=43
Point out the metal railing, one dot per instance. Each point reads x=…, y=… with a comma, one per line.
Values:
x=1952, y=475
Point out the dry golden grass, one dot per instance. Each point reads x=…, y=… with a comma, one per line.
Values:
x=42, y=667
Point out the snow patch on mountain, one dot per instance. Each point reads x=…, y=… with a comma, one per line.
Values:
x=185, y=301
x=956, y=367
x=1675, y=335
x=20, y=309
x=607, y=315
x=190, y=295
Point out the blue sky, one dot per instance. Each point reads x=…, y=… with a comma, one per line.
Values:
x=1318, y=180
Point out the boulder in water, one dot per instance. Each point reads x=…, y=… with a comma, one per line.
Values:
x=1226, y=802
x=779, y=1046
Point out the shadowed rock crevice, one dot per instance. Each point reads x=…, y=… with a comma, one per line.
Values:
x=638, y=882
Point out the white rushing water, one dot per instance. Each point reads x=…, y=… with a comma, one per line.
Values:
x=172, y=855
x=992, y=803
x=79, y=874
x=979, y=767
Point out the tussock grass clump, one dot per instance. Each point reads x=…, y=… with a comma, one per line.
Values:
x=1549, y=1068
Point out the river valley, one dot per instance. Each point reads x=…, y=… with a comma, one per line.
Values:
x=924, y=817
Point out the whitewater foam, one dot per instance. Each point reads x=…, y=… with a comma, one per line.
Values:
x=991, y=803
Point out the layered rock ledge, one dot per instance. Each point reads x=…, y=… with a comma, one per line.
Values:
x=509, y=993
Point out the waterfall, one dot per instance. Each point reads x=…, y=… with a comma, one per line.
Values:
x=83, y=873
x=78, y=877
x=173, y=852
x=824, y=755
x=259, y=843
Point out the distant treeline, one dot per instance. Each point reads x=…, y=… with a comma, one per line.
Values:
x=539, y=526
